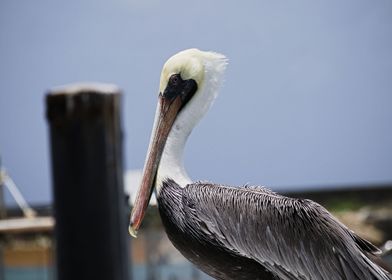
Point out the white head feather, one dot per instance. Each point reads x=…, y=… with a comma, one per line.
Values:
x=207, y=69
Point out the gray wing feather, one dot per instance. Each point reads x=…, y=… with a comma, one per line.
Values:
x=293, y=238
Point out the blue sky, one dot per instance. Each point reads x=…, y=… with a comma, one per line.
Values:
x=306, y=101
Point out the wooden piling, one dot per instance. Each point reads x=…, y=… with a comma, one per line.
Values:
x=87, y=175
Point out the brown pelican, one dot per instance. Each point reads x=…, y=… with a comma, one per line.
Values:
x=246, y=232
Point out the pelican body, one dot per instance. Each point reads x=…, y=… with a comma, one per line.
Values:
x=246, y=232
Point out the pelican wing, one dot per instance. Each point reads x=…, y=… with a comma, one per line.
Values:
x=293, y=238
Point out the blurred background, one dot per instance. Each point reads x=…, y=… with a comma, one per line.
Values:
x=305, y=108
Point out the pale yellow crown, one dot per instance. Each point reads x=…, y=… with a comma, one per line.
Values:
x=190, y=64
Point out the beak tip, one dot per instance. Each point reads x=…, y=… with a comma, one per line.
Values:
x=132, y=231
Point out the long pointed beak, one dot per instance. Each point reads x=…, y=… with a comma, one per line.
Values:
x=168, y=108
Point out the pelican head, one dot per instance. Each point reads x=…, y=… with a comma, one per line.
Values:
x=189, y=83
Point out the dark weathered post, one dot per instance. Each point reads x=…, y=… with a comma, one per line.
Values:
x=86, y=148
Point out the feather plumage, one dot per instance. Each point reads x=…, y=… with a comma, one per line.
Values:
x=288, y=238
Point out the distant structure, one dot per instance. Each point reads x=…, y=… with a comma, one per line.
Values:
x=30, y=222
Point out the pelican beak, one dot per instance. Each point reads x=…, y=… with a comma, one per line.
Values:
x=175, y=96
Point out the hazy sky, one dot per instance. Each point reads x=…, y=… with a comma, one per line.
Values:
x=307, y=100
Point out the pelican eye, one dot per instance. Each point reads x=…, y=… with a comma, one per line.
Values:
x=176, y=86
x=175, y=79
